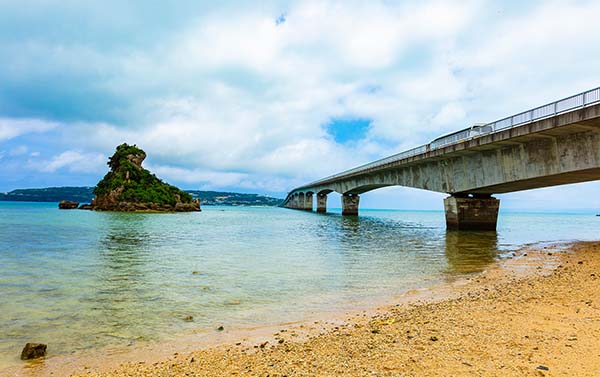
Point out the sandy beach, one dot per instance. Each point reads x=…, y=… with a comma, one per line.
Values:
x=536, y=314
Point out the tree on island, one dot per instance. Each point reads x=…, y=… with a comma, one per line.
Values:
x=130, y=187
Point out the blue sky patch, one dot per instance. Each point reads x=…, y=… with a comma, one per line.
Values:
x=344, y=130
x=280, y=20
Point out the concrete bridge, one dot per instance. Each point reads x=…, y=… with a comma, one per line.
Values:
x=554, y=144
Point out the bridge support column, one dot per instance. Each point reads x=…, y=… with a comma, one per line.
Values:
x=307, y=205
x=321, y=203
x=476, y=213
x=350, y=204
x=295, y=200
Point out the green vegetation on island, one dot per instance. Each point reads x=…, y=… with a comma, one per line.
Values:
x=130, y=187
x=134, y=183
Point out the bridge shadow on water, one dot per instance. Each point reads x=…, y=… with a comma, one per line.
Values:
x=468, y=252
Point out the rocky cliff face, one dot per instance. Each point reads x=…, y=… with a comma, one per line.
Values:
x=129, y=187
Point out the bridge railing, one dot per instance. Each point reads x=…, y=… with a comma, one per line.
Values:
x=546, y=111
x=549, y=110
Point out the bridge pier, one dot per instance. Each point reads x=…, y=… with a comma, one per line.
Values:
x=296, y=201
x=307, y=204
x=321, y=203
x=471, y=213
x=350, y=204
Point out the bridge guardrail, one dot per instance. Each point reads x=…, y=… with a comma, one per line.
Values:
x=552, y=109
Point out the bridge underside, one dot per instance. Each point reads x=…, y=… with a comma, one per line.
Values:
x=560, y=150
x=548, y=181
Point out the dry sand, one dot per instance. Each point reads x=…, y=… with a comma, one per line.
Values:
x=509, y=321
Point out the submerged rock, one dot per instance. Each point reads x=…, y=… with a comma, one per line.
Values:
x=33, y=351
x=67, y=204
x=128, y=187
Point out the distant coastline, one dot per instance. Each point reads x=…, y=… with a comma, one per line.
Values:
x=86, y=194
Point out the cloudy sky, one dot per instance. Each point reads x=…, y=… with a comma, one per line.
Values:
x=261, y=98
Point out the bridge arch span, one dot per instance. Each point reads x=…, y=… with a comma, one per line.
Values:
x=325, y=191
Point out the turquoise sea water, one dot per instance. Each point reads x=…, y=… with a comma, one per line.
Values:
x=79, y=280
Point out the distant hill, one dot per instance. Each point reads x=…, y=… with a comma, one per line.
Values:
x=50, y=194
x=86, y=194
x=216, y=198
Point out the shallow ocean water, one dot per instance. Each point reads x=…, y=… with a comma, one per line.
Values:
x=79, y=279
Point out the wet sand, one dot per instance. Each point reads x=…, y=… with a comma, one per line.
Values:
x=537, y=314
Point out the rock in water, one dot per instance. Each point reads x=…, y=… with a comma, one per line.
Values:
x=66, y=204
x=128, y=187
x=33, y=351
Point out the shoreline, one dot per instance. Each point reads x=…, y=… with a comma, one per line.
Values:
x=530, y=262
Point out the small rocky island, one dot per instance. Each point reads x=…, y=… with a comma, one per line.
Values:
x=128, y=187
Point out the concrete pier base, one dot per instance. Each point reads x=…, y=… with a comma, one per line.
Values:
x=322, y=203
x=350, y=204
x=307, y=205
x=476, y=213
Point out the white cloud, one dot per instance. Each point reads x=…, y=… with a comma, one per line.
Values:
x=258, y=93
x=526, y=60
x=265, y=90
x=450, y=113
x=74, y=161
x=197, y=176
x=580, y=196
x=231, y=99
x=11, y=128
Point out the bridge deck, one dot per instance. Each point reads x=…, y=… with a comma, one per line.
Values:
x=546, y=120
